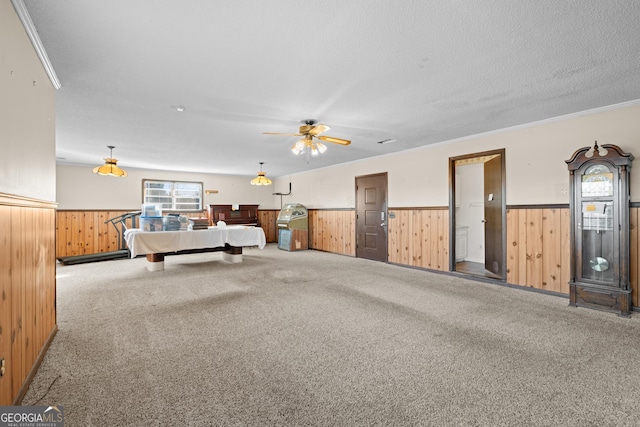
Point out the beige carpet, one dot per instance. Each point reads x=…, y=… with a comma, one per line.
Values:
x=315, y=339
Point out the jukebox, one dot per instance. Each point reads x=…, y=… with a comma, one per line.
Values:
x=293, y=227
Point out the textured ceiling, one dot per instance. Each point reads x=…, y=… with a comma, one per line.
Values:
x=417, y=71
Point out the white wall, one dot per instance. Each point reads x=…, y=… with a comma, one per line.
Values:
x=80, y=188
x=535, y=162
x=536, y=171
x=27, y=115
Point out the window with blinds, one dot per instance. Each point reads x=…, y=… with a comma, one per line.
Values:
x=179, y=196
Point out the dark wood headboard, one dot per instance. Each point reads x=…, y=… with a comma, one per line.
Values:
x=243, y=215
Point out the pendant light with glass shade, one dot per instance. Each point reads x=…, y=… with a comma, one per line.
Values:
x=261, y=179
x=110, y=168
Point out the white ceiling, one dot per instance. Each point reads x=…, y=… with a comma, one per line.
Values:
x=419, y=71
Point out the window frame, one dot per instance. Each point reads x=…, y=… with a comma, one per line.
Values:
x=174, y=198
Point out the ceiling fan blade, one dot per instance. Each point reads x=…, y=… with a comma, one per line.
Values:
x=334, y=140
x=285, y=134
x=318, y=129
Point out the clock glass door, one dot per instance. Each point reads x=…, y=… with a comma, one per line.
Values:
x=598, y=225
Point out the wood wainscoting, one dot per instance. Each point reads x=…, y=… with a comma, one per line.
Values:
x=419, y=237
x=86, y=232
x=267, y=219
x=537, y=239
x=537, y=244
x=538, y=248
x=27, y=290
x=82, y=232
x=333, y=230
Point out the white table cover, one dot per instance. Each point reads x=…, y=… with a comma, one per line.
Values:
x=154, y=242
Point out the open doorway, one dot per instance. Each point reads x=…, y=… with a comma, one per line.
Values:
x=477, y=209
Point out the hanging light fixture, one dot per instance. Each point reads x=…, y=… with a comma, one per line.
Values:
x=309, y=147
x=261, y=179
x=110, y=168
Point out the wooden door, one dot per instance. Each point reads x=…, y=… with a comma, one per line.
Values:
x=371, y=217
x=493, y=216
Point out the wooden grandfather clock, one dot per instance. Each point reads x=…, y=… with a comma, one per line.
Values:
x=599, y=190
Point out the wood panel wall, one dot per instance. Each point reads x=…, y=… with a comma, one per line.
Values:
x=333, y=230
x=419, y=237
x=27, y=290
x=80, y=232
x=538, y=248
x=268, y=219
x=86, y=232
x=537, y=245
x=537, y=240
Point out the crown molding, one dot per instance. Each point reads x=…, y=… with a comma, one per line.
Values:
x=27, y=23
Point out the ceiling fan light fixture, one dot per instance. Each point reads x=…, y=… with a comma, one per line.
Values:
x=310, y=131
x=299, y=147
x=110, y=168
x=317, y=148
x=261, y=179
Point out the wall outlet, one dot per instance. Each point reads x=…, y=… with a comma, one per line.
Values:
x=2, y=367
